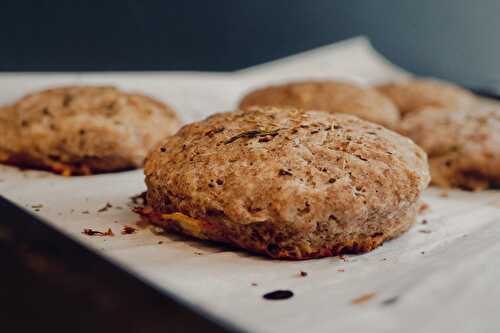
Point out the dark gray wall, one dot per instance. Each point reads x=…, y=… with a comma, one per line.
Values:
x=454, y=39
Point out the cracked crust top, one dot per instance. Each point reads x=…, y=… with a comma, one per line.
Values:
x=331, y=96
x=463, y=146
x=99, y=127
x=415, y=94
x=287, y=167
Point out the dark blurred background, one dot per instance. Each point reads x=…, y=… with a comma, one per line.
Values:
x=452, y=39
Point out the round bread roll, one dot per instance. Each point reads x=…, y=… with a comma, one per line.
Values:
x=331, y=96
x=286, y=183
x=463, y=146
x=83, y=129
x=413, y=95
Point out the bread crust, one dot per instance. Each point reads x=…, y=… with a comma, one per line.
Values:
x=289, y=178
x=412, y=95
x=463, y=146
x=331, y=96
x=84, y=129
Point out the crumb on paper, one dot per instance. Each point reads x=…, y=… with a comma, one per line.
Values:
x=160, y=242
x=444, y=194
x=198, y=253
x=127, y=230
x=425, y=231
x=341, y=270
x=156, y=230
x=142, y=224
x=390, y=301
x=423, y=207
x=85, y=212
x=37, y=206
x=495, y=204
x=303, y=273
x=105, y=208
x=139, y=199
x=278, y=295
x=424, y=221
x=254, y=284
x=423, y=252
x=363, y=298
x=91, y=232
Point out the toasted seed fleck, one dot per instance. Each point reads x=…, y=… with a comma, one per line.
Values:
x=363, y=298
x=283, y=172
x=252, y=134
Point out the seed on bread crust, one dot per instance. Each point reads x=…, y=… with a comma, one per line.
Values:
x=277, y=197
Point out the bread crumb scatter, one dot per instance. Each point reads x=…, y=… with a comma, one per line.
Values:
x=363, y=298
x=91, y=232
x=105, y=208
x=127, y=230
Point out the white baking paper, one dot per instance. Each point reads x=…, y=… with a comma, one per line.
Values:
x=442, y=276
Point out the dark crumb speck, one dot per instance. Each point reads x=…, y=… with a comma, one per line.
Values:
x=163, y=149
x=139, y=199
x=105, y=208
x=37, y=206
x=425, y=221
x=278, y=295
x=160, y=242
x=426, y=231
x=91, y=232
x=198, y=253
x=283, y=172
x=85, y=212
x=127, y=230
x=254, y=284
x=303, y=274
x=423, y=252
x=390, y=301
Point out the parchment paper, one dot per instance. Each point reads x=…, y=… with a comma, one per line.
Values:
x=441, y=276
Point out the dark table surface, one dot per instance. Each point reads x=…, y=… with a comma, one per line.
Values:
x=49, y=282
